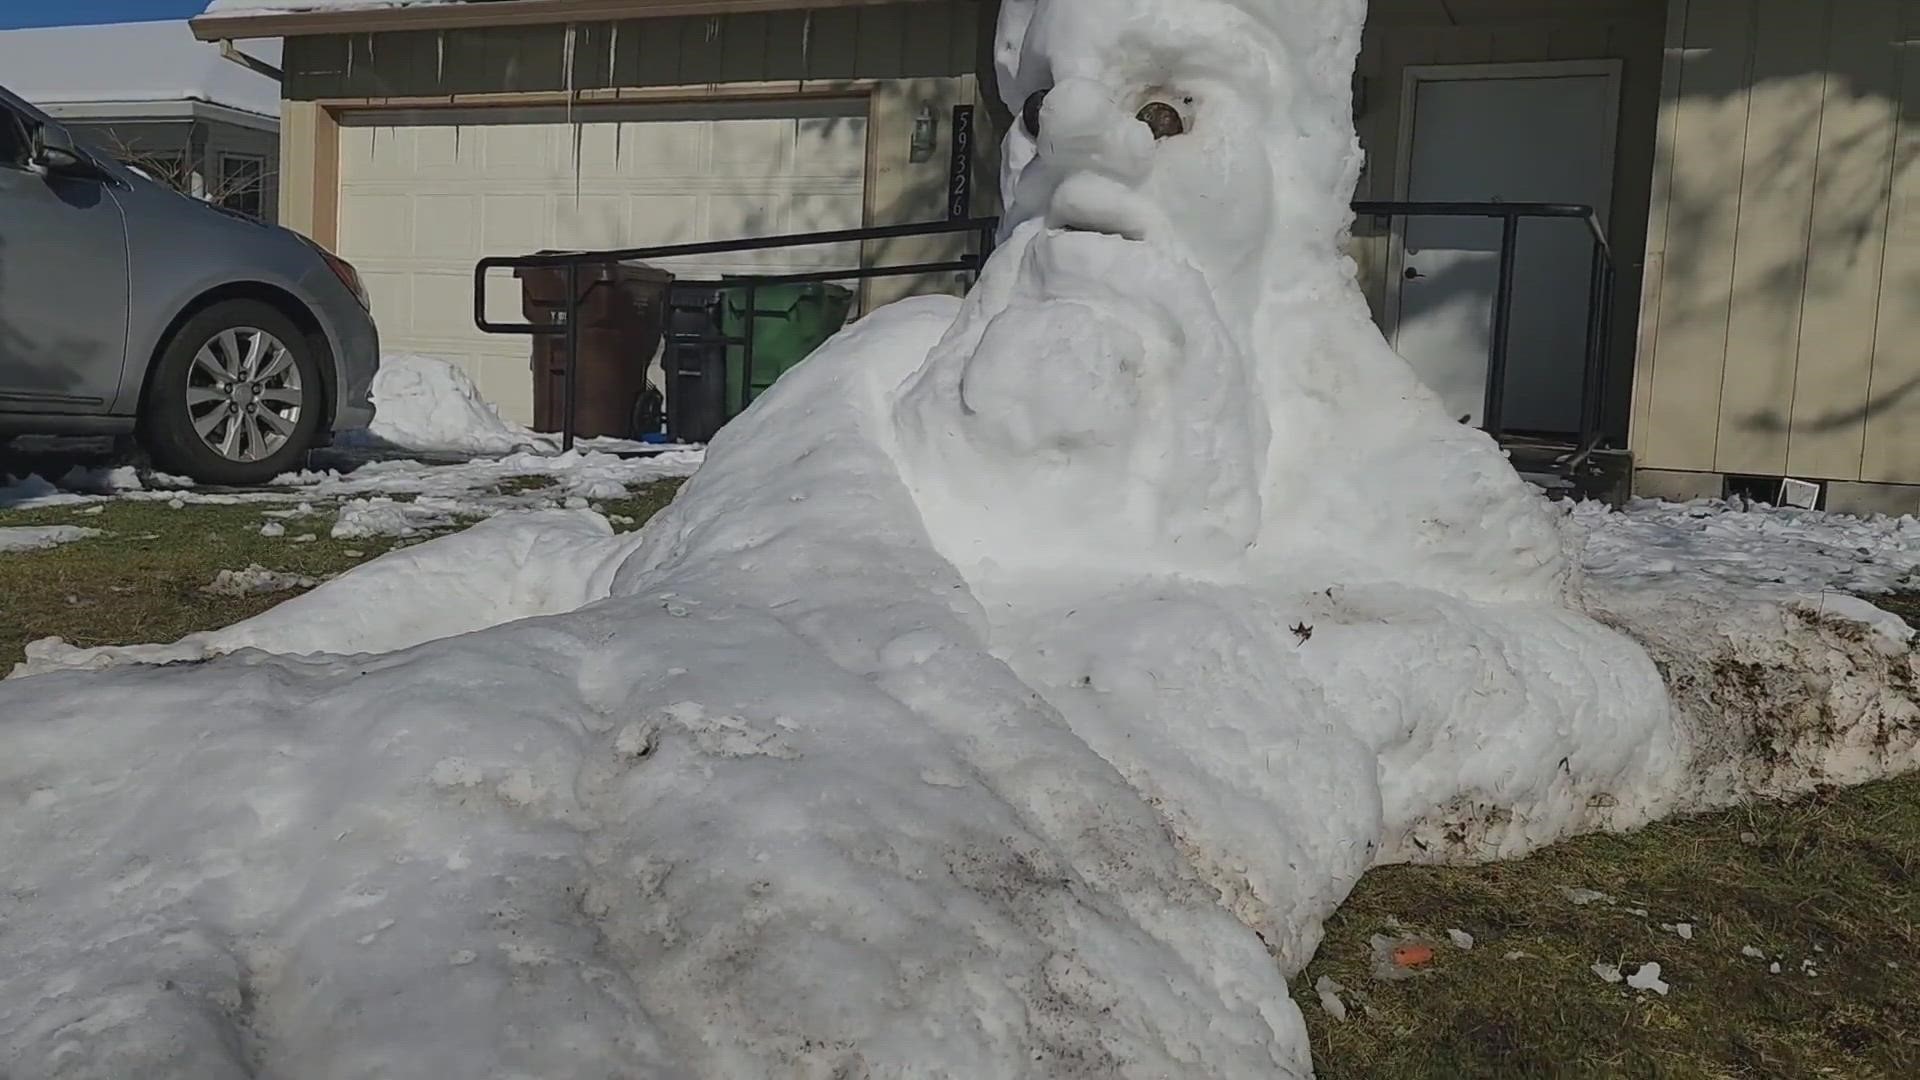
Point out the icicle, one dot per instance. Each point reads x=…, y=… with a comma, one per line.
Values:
x=613, y=51
x=713, y=27
x=573, y=119
x=440, y=59
x=806, y=46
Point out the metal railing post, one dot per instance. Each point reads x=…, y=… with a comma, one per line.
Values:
x=568, y=377
x=1496, y=400
x=746, y=347
x=1590, y=372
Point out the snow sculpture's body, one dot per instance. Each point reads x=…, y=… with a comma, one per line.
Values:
x=1164, y=432
x=952, y=721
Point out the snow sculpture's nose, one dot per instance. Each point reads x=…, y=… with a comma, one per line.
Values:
x=1083, y=129
x=1094, y=157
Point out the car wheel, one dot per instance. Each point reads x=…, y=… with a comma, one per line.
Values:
x=236, y=398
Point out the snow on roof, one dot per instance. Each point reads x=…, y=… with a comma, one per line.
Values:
x=260, y=7
x=133, y=62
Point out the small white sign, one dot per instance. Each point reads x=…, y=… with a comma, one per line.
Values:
x=1800, y=494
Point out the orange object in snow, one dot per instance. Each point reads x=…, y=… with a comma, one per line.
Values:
x=1412, y=956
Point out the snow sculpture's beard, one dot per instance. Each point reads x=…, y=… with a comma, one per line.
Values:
x=1091, y=408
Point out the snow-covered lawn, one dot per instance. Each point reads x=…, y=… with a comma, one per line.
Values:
x=468, y=465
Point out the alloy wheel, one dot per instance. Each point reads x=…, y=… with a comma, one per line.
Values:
x=243, y=394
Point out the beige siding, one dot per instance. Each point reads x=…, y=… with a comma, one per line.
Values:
x=1770, y=238
x=1412, y=33
x=309, y=157
x=1783, y=273
x=1704, y=203
x=1892, y=452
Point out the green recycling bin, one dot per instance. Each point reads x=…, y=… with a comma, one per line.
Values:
x=793, y=321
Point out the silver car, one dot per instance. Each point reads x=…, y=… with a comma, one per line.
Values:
x=227, y=346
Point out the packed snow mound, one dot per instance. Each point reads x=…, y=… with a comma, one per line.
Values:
x=431, y=406
x=1013, y=692
x=514, y=566
x=428, y=404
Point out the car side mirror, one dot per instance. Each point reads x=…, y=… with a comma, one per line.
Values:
x=54, y=151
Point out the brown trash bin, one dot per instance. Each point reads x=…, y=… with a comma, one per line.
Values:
x=622, y=313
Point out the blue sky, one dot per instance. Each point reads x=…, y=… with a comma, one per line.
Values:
x=16, y=13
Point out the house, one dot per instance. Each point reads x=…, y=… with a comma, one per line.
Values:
x=1751, y=163
x=150, y=95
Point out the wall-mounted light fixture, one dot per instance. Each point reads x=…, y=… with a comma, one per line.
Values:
x=926, y=129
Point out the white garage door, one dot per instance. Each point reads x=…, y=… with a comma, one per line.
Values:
x=424, y=195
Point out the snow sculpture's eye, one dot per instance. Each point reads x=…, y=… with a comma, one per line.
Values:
x=1030, y=113
x=1162, y=119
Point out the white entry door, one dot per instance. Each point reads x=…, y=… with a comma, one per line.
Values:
x=1506, y=133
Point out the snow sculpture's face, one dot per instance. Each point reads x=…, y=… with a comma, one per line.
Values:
x=1147, y=120
x=1096, y=403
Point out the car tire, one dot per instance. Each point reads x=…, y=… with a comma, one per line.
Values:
x=236, y=398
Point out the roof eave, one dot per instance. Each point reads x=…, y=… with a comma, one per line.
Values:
x=280, y=24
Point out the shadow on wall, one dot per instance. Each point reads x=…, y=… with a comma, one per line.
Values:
x=1788, y=240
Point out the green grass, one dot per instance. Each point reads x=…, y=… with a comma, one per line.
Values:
x=143, y=580
x=1831, y=879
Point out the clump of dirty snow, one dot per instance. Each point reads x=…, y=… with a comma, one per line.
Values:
x=35, y=493
x=41, y=537
x=1648, y=978
x=380, y=516
x=112, y=480
x=1328, y=991
x=255, y=580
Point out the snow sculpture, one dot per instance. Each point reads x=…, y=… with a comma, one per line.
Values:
x=1200, y=497
x=1012, y=693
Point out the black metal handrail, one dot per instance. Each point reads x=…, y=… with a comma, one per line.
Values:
x=1600, y=286
x=983, y=229
x=1509, y=214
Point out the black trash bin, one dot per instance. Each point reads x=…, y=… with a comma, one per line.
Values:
x=622, y=314
x=696, y=364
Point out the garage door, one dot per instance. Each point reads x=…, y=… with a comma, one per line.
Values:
x=423, y=195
